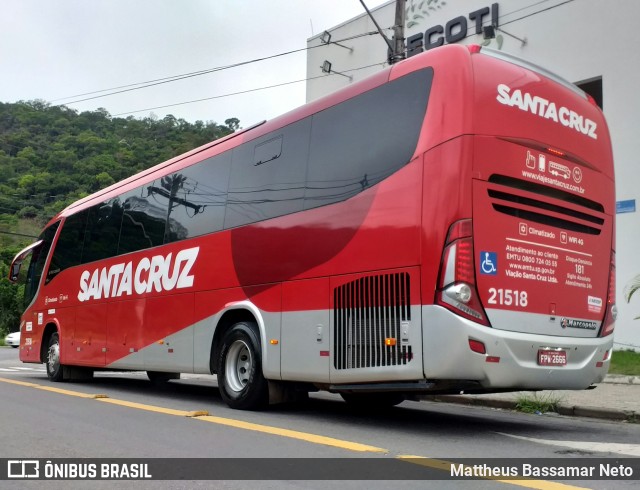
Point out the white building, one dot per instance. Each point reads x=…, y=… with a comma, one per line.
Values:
x=589, y=42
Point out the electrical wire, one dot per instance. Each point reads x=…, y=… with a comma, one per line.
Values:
x=17, y=234
x=471, y=27
x=160, y=81
x=243, y=91
x=150, y=83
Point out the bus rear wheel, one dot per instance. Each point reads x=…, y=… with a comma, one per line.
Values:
x=240, y=379
x=52, y=361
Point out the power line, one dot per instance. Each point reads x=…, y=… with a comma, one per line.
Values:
x=535, y=13
x=242, y=91
x=18, y=234
x=160, y=81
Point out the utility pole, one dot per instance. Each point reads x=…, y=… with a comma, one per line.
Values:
x=398, y=33
x=169, y=187
x=396, y=49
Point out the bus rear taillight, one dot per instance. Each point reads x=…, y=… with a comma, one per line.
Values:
x=457, y=284
x=612, y=310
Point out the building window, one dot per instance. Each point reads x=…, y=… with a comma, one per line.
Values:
x=593, y=87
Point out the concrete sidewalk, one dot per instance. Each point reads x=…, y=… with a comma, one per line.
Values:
x=617, y=398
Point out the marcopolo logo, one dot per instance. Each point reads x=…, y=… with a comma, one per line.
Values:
x=546, y=109
x=582, y=324
x=160, y=273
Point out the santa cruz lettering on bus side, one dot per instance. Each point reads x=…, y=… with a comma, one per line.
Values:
x=160, y=273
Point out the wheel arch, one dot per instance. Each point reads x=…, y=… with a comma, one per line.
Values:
x=49, y=329
x=242, y=311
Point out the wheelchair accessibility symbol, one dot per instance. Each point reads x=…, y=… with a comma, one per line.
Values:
x=489, y=263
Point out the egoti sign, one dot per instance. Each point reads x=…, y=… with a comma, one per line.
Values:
x=453, y=31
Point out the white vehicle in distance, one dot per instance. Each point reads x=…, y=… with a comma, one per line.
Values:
x=13, y=339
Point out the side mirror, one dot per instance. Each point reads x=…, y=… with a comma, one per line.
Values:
x=16, y=265
x=15, y=271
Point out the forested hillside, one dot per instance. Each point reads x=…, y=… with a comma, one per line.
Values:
x=52, y=155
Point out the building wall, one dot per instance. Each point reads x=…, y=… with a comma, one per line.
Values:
x=577, y=39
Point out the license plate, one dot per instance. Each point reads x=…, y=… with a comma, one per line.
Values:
x=552, y=357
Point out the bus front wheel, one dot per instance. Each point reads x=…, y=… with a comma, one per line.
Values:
x=240, y=379
x=54, y=368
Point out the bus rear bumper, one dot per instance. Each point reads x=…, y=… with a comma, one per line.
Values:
x=511, y=358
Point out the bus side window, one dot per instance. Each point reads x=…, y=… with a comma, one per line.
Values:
x=268, y=175
x=267, y=151
x=102, y=231
x=197, y=203
x=359, y=142
x=68, y=251
x=143, y=220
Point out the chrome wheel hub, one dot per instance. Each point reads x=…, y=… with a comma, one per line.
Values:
x=238, y=365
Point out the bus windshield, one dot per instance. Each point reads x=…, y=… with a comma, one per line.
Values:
x=35, y=257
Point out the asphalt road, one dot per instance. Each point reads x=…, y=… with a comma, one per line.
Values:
x=188, y=419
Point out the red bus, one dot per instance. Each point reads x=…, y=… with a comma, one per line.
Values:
x=444, y=225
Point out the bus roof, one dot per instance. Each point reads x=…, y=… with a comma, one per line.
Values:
x=454, y=114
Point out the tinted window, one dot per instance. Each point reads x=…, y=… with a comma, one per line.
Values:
x=144, y=217
x=267, y=151
x=199, y=197
x=358, y=143
x=36, y=265
x=103, y=231
x=268, y=175
x=68, y=251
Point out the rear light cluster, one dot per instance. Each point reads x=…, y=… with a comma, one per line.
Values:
x=612, y=310
x=457, y=283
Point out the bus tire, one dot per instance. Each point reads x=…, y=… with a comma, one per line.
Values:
x=55, y=370
x=373, y=400
x=240, y=380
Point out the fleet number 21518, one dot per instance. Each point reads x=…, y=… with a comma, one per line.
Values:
x=508, y=297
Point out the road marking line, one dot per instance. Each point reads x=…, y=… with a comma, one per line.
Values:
x=148, y=408
x=293, y=434
x=204, y=416
x=443, y=465
x=597, y=447
x=52, y=389
x=16, y=382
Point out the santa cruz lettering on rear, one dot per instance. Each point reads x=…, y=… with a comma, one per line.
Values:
x=546, y=109
x=160, y=273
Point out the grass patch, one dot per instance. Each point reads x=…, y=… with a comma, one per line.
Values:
x=625, y=362
x=538, y=403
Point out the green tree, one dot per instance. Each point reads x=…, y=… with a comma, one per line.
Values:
x=53, y=156
x=631, y=288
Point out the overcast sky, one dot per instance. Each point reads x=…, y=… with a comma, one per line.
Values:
x=52, y=49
